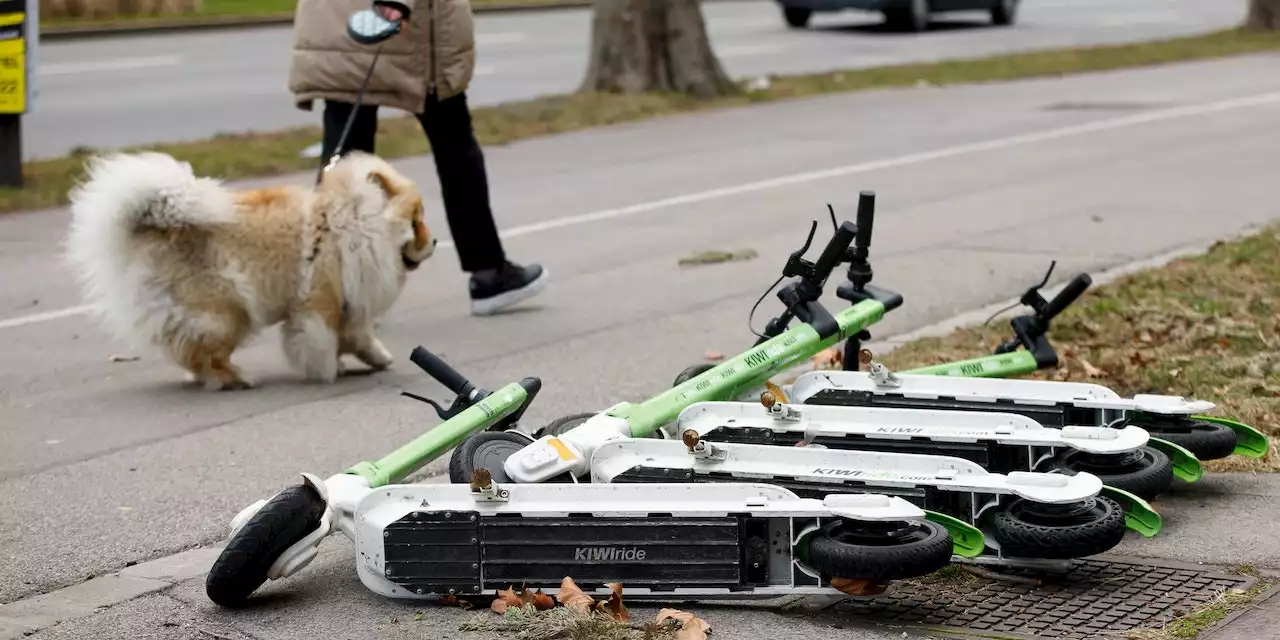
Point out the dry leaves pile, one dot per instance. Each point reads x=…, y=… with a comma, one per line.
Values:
x=533, y=615
x=1206, y=327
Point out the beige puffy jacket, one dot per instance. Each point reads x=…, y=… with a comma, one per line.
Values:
x=434, y=50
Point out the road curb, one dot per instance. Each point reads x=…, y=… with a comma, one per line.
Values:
x=160, y=27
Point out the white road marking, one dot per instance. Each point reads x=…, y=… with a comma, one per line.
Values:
x=994, y=144
x=505, y=37
x=100, y=66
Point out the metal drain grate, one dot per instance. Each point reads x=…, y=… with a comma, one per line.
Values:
x=1093, y=599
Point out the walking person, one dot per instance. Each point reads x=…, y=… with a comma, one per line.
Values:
x=424, y=70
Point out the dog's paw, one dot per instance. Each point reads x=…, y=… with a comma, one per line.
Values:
x=376, y=356
x=229, y=384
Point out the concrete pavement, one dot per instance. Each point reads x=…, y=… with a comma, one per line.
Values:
x=163, y=88
x=109, y=463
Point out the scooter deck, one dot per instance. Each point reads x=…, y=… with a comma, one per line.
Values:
x=1051, y=403
x=830, y=471
x=727, y=540
x=952, y=486
x=1061, y=403
x=788, y=424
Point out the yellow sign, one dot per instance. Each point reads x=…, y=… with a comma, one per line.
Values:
x=13, y=70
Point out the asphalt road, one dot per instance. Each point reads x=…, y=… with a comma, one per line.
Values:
x=163, y=88
x=105, y=463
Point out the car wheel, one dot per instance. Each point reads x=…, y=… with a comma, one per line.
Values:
x=1004, y=12
x=913, y=18
x=797, y=17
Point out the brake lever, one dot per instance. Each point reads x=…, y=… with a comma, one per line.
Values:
x=459, y=405
x=1032, y=297
x=796, y=264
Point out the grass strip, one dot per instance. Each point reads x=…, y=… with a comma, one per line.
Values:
x=248, y=155
x=1206, y=326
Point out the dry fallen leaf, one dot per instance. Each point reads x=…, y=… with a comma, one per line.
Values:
x=613, y=606
x=828, y=358
x=691, y=627
x=571, y=596
x=538, y=599
x=119, y=358
x=1089, y=369
x=506, y=599
x=859, y=587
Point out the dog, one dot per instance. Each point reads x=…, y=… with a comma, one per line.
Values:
x=197, y=268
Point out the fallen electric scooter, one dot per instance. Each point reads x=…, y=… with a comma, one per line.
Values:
x=983, y=383
x=1073, y=506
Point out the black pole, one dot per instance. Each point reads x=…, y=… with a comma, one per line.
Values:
x=11, y=150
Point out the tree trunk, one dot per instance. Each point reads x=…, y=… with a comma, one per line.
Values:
x=1264, y=15
x=653, y=45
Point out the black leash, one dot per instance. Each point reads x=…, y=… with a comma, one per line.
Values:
x=355, y=109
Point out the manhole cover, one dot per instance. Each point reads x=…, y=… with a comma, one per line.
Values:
x=1094, y=599
x=1101, y=106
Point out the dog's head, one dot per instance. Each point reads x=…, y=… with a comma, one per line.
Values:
x=404, y=211
x=399, y=203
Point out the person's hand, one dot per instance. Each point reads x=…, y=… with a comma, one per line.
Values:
x=390, y=13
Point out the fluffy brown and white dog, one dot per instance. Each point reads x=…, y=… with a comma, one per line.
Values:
x=197, y=268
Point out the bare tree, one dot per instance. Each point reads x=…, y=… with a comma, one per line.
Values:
x=654, y=45
x=1264, y=15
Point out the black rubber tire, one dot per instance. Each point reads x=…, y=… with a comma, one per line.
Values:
x=867, y=551
x=1207, y=440
x=242, y=566
x=1004, y=13
x=1023, y=533
x=912, y=19
x=563, y=424
x=560, y=425
x=1146, y=472
x=692, y=371
x=488, y=449
x=797, y=17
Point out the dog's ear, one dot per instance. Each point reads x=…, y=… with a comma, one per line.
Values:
x=386, y=182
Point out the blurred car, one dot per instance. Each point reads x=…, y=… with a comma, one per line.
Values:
x=908, y=15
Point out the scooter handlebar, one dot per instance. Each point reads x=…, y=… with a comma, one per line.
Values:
x=1068, y=295
x=438, y=369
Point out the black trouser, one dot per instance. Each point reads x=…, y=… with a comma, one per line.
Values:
x=459, y=165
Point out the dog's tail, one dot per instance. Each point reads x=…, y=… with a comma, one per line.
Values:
x=122, y=196
x=131, y=192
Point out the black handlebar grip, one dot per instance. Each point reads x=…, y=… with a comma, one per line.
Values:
x=1064, y=299
x=436, y=368
x=866, y=214
x=834, y=251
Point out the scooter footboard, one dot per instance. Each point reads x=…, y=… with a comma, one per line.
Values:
x=737, y=540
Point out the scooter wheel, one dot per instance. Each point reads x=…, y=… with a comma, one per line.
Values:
x=1027, y=529
x=879, y=550
x=560, y=425
x=692, y=372
x=1144, y=472
x=1207, y=440
x=242, y=566
x=487, y=450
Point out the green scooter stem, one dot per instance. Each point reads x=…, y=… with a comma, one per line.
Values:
x=398, y=464
x=1000, y=365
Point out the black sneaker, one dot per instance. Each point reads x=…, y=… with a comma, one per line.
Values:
x=494, y=291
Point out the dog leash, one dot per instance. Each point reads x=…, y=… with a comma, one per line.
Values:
x=351, y=118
